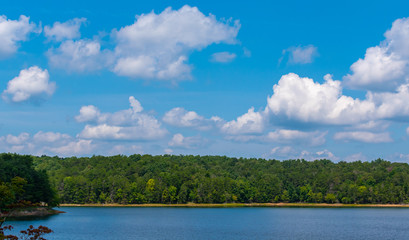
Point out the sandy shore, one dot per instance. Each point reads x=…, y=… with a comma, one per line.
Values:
x=231, y=205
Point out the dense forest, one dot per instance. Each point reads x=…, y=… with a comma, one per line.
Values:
x=20, y=182
x=218, y=179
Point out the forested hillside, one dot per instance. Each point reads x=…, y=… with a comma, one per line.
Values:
x=19, y=181
x=217, y=179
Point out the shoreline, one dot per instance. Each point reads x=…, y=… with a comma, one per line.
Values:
x=238, y=205
x=31, y=212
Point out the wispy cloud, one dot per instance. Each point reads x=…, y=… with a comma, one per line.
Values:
x=300, y=54
x=223, y=57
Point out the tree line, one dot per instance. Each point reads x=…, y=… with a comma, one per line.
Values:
x=21, y=184
x=138, y=179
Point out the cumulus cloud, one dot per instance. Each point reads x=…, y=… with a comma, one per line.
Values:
x=391, y=105
x=302, y=99
x=146, y=131
x=50, y=137
x=314, y=138
x=157, y=46
x=384, y=67
x=223, y=57
x=74, y=148
x=182, y=118
x=66, y=30
x=248, y=123
x=31, y=84
x=88, y=113
x=16, y=140
x=179, y=141
x=46, y=143
x=361, y=136
x=105, y=131
x=288, y=152
x=61, y=144
x=79, y=56
x=12, y=32
x=379, y=69
x=129, y=124
x=301, y=54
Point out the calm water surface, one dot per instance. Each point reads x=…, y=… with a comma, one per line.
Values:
x=225, y=223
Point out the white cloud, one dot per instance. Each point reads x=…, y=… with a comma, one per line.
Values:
x=397, y=37
x=384, y=67
x=301, y=99
x=379, y=70
x=32, y=83
x=45, y=143
x=283, y=152
x=373, y=125
x=66, y=30
x=182, y=118
x=74, y=148
x=79, y=56
x=149, y=131
x=12, y=32
x=16, y=148
x=324, y=154
x=391, y=105
x=129, y=124
x=135, y=104
x=156, y=46
x=104, y=131
x=179, y=141
x=17, y=140
x=145, y=131
x=88, y=113
x=367, y=137
x=315, y=138
x=50, y=137
x=250, y=122
x=301, y=54
x=288, y=152
x=223, y=57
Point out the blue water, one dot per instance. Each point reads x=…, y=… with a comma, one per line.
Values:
x=224, y=223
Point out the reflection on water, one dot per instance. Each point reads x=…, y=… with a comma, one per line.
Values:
x=33, y=219
x=225, y=223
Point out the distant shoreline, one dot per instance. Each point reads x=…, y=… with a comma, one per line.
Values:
x=234, y=205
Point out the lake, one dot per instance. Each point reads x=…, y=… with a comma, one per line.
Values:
x=224, y=223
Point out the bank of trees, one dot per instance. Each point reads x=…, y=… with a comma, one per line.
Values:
x=21, y=184
x=219, y=179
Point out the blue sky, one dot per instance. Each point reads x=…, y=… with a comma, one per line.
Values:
x=279, y=80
